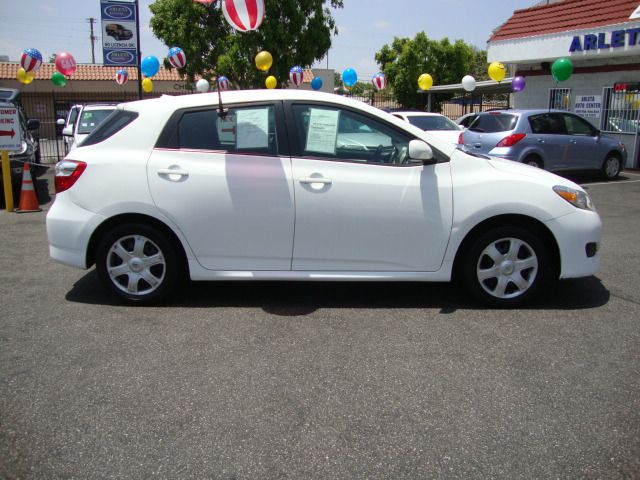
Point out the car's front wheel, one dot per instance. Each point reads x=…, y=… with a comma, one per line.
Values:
x=137, y=263
x=506, y=267
x=611, y=167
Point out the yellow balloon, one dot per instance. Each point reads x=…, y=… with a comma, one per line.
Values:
x=264, y=60
x=24, y=77
x=147, y=85
x=425, y=82
x=497, y=71
x=271, y=82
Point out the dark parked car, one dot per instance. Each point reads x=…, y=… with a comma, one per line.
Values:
x=550, y=139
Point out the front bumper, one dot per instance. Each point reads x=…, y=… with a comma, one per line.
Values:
x=578, y=235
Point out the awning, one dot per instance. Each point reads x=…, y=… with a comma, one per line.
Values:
x=482, y=87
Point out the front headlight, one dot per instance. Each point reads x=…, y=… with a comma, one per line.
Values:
x=577, y=198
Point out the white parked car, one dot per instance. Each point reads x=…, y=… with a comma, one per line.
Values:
x=82, y=120
x=157, y=194
x=434, y=123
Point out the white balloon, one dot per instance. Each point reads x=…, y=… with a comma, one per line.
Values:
x=202, y=85
x=468, y=83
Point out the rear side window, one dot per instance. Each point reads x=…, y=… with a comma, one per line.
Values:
x=494, y=122
x=548, y=123
x=241, y=130
x=112, y=124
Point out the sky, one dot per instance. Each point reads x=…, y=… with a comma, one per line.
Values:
x=364, y=26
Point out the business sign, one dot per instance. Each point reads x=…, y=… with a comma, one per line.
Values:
x=588, y=105
x=119, y=33
x=10, y=131
x=605, y=40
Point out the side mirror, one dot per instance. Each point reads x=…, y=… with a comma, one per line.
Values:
x=60, y=122
x=420, y=151
x=67, y=131
x=33, y=124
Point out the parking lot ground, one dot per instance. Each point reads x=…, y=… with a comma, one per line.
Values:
x=320, y=380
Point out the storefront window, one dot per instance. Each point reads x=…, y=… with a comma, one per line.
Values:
x=560, y=98
x=621, y=111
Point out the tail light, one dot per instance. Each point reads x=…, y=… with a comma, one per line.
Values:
x=511, y=140
x=67, y=173
x=460, y=139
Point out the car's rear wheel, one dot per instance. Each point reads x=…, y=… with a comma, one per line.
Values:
x=533, y=161
x=611, y=167
x=506, y=266
x=137, y=263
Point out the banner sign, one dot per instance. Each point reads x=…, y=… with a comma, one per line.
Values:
x=119, y=35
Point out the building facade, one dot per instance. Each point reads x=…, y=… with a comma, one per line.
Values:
x=602, y=40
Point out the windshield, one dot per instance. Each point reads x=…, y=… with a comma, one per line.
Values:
x=90, y=119
x=434, y=122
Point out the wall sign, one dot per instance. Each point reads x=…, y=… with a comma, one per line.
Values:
x=602, y=40
x=626, y=87
x=588, y=105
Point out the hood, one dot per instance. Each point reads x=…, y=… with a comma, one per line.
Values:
x=449, y=136
x=543, y=176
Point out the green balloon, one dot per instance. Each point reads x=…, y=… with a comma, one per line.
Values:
x=561, y=69
x=58, y=79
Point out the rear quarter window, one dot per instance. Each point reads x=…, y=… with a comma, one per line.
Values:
x=115, y=122
x=491, y=123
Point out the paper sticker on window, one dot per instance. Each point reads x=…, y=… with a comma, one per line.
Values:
x=252, y=128
x=227, y=129
x=323, y=131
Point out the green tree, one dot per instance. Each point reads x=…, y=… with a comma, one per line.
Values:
x=295, y=32
x=405, y=60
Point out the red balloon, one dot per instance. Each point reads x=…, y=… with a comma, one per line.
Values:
x=65, y=63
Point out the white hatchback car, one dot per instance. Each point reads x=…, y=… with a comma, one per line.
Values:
x=272, y=186
x=434, y=123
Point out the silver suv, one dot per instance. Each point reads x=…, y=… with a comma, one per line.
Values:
x=550, y=139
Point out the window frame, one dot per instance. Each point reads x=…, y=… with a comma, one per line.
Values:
x=168, y=138
x=297, y=150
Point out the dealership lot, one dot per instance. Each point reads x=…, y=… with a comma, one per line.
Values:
x=320, y=380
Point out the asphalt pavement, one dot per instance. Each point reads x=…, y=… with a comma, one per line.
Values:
x=319, y=380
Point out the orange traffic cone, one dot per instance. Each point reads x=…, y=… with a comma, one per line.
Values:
x=28, y=200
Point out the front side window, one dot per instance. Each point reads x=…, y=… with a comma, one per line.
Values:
x=342, y=134
x=241, y=130
x=578, y=126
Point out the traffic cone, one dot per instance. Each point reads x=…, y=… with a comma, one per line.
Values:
x=28, y=200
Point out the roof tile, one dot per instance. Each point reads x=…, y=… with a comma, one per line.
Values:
x=564, y=16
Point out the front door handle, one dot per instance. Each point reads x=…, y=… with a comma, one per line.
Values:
x=308, y=180
x=170, y=171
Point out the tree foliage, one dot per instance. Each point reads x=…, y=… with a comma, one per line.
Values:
x=295, y=32
x=405, y=60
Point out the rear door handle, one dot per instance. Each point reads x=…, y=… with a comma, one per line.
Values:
x=540, y=140
x=308, y=180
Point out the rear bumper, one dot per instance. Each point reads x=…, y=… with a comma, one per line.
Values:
x=69, y=230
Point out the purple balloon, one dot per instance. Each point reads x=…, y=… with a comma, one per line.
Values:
x=518, y=83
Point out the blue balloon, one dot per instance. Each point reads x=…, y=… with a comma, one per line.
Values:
x=316, y=83
x=150, y=66
x=349, y=77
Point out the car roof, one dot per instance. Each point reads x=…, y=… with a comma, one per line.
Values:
x=522, y=111
x=100, y=106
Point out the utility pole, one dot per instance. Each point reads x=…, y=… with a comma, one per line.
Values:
x=93, y=39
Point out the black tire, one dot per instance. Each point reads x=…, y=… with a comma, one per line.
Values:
x=506, y=267
x=152, y=268
x=533, y=161
x=611, y=167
